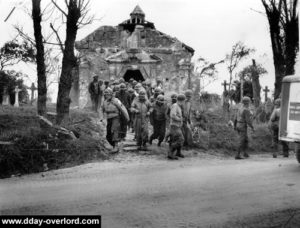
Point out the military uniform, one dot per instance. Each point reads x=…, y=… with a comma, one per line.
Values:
x=95, y=90
x=141, y=108
x=176, y=136
x=274, y=121
x=158, y=118
x=186, y=129
x=243, y=119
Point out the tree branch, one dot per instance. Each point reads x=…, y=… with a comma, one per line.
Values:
x=58, y=38
x=60, y=9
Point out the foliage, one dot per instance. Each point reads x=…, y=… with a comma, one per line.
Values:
x=13, y=52
x=249, y=70
x=10, y=80
x=247, y=88
x=239, y=52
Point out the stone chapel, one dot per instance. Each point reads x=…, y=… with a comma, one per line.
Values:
x=133, y=49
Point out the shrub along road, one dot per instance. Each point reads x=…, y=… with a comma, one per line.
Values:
x=148, y=191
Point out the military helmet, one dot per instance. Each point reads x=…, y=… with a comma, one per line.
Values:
x=121, y=80
x=157, y=90
x=277, y=102
x=174, y=96
x=106, y=82
x=160, y=99
x=144, y=84
x=137, y=86
x=246, y=100
x=131, y=80
x=130, y=90
x=122, y=86
x=108, y=91
x=116, y=88
x=181, y=97
x=142, y=93
x=188, y=93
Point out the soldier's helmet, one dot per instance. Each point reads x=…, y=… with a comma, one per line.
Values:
x=188, y=93
x=131, y=80
x=95, y=76
x=137, y=86
x=108, y=91
x=157, y=90
x=277, y=102
x=181, y=97
x=122, y=86
x=106, y=82
x=246, y=100
x=142, y=94
x=116, y=88
x=130, y=90
x=174, y=96
x=144, y=84
x=160, y=99
x=121, y=80
x=148, y=83
x=134, y=82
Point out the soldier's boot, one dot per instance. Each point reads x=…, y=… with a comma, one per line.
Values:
x=275, y=147
x=246, y=155
x=159, y=142
x=171, y=152
x=238, y=155
x=116, y=148
x=179, y=154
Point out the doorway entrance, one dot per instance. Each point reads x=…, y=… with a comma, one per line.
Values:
x=134, y=74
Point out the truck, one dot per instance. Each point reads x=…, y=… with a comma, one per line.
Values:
x=289, y=125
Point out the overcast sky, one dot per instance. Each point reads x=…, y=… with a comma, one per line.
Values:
x=210, y=27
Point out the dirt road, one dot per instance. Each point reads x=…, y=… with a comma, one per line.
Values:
x=147, y=191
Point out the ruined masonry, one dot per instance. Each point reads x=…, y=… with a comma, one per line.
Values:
x=133, y=49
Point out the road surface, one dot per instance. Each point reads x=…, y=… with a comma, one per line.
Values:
x=149, y=191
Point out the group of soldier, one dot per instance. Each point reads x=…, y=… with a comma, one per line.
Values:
x=243, y=121
x=133, y=105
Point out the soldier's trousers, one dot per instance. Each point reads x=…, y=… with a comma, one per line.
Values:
x=176, y=137
x=187, y=134
x=141, y=130
x=275, y=140
x=112, y=130
x=123, y=128
x=159, y=130
x=243, y=140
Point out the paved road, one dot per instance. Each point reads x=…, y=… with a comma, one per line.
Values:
x=145, y=191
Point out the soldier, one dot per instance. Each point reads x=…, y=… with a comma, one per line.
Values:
x=124, y=97
x=141, y=108
x=274, y=122
x=111, y=110
x=106, y=84
x=95, y=93
x=186, y=126
x=131, y=114
x=157, y=91
x=242, y=121
x=158, y=118
x=176, y=137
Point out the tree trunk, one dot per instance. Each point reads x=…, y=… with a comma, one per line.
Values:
x=40, y=59
x=69, y=62
x=292, y=44
x=255, y=85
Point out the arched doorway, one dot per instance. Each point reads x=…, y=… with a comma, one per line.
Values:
x=135, y=74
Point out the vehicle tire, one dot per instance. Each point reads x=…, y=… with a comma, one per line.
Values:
x=298, y=152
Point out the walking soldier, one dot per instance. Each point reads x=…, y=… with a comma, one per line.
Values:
x=242, y=121
x=176, y=137
x=158, y=118
x=141, y=108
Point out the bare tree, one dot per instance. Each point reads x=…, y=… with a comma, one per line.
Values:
x=239, y=51
x=76, y=15
x=284, y=33
x=40, y=58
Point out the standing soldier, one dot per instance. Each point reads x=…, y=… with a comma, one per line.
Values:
x=176, y=137
x=95, y=93
x=111, y=110
x=141, y=108
x=157, y=91
x=131, y=114
x=242, y=121
x=186, y=126
x=124, y=97
x=274, y=121
x=158, y=118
